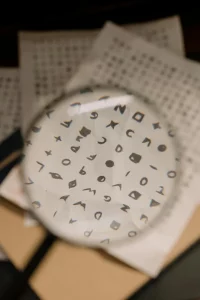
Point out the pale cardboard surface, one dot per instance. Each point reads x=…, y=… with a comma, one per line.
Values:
x=72, y=272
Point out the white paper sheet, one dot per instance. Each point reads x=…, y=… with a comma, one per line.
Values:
x=48, y=60
x=10, y=109
x=27, y=69
x=128, y=61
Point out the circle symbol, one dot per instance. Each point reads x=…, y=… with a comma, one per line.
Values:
x=109, y=163
x=101, y=178
x=162, y=148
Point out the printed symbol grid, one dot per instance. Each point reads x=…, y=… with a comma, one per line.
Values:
x=10, y=110
x=50, y=59
x=55, y=62
x=94, y=188
x=163, y=35
x=174, y=89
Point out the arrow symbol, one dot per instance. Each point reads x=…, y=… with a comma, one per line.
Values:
x=42, y=165
x=125, y=207
x=64, y=197
x=90, y=190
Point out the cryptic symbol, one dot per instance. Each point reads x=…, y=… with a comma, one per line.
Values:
x=79, y=138
x=112, y=124
x=55, y=175
x=125, y=207
x=171, y=174
x=64, y=197
x=66, y=162
x=154, y=203
x=171, y=133
x=101, y=178
x=132, y=233
x=162, y=148
x=88, y=233
x=104, y=140
x=81, y=204
x=84, y=131
x=98, y=215
x=161, y=190
x=121, y=108
x=90, y=190
x=36, y=204
x=119, y=185
x=127, y=173
x=115, y=225
x=30, y=181
x=128, y=132
x=58, y=138
x=66, y=124
x=107, y=198
x=54, y=213
x=75, y=104
x=36, y=129
x=48, y=113
x=48, y=152
x=145, y=218
x=119, y=149
x=28, y=143
x=138, y=116
x=42, y=165
x=72, y=221
x=148, y=141
x=86, y=90
x=72, y=184
x=75, y=149
x=106, y=241
x=104, y=98
x=134, y=195
x=82, y=172
x=94, y=115
x=134, y=157
x=153, y=167
x=109, y=163
x=91, y=157
x=156, y=126
x=143, y=181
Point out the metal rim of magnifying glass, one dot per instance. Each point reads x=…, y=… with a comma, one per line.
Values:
x=166, y=208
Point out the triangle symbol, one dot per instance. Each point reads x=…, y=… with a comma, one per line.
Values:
x=154, y=203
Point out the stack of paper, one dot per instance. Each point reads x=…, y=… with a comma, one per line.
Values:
x=51, y=61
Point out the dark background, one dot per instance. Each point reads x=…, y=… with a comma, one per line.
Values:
x=79, y=14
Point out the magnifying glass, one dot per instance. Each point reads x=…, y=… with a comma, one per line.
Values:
x=99, y=167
